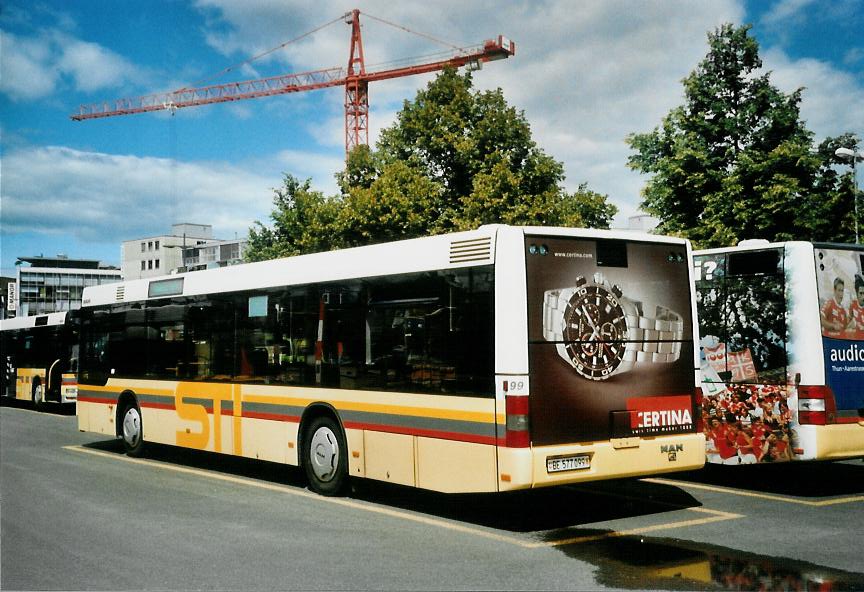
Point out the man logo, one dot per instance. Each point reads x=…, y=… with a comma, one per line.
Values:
x=672, y=450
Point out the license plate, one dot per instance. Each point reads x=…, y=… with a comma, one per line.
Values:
x=568, y=463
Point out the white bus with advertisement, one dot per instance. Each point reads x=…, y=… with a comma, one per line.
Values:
x=782, y=351
x=496, y=359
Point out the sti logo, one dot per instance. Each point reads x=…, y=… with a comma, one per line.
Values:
x=672, y=450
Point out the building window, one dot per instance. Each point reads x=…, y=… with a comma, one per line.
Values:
x=150, y=264
x=157, y=264
x=143, y=265
x=150, y=245
x=157, y=245
x=143, y=247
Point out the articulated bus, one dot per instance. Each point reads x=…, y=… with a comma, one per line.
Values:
x=40, y=358
x=782, y=351
x=497, y=359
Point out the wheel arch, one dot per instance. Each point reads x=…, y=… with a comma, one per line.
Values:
x=312, y=412
x=123, y=401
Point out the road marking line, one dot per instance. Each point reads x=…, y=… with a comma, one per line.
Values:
x=768, y=496
x=715, y=514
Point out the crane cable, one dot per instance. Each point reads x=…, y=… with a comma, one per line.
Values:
x=259, y=56
x=407, y=30
x=315, y=30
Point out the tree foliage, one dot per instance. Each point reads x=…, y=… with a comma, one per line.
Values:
x=454, y=159
x=736, y=161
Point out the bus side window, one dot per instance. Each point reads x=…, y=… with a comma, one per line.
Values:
x=341, y=318
x=168, y=347
x=95, y=330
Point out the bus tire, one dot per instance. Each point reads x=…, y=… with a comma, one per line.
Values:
x=132, y=429
x=325, y=456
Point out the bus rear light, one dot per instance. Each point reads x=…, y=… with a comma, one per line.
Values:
x=816, y=405
x=697, y=410
x=518, y=425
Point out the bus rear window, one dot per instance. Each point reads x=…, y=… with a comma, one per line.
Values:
x=611, y=253
x=754, y=263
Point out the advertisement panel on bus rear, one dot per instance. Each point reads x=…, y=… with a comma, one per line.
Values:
x=610, y=331
x=840, y=284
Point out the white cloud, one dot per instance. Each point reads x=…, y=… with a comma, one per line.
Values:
x=586, y=74
x=318, y=167
x=832, y=99
x=35, y=67
x=27, y=69
x=91, y=66
x=786, y=10
x=105, y=197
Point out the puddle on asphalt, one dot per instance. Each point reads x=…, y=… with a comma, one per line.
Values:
x=666, y=564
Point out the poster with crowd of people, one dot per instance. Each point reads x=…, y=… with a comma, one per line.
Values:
x=745, y=407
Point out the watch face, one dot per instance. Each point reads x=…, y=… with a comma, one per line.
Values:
x=595, y=332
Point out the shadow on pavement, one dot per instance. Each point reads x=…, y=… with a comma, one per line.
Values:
x=48, y=408
x=800, y=479
x=519, y=511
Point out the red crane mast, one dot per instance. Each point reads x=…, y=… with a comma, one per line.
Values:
x=355, y=78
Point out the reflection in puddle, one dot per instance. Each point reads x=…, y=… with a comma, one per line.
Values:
x=641, y=563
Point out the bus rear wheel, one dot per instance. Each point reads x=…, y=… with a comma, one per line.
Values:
x=325, y=457
x=132, y=430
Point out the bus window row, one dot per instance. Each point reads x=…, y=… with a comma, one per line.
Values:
x=411, y=332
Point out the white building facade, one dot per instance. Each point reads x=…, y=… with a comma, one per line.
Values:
x=55, y=284
x=188, y=247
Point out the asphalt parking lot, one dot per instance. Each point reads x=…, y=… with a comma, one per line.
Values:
x=78, y=514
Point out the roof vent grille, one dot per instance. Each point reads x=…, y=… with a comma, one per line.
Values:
x=475, y=249
x=120, y=295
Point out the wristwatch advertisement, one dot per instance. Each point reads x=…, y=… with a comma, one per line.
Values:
x=610, y=335
x=602, y=333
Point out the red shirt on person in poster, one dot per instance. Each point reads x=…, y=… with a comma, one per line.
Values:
x=836, y=316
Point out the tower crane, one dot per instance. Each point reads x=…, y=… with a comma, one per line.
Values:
x=355, y=78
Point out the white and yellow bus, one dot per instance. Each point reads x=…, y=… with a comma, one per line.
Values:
x=497, y=359
x=40, y=358
x=782, y=351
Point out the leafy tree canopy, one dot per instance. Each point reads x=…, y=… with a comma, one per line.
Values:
x=454, y=159
x=736, y=161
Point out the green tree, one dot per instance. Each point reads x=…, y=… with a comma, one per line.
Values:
x=454, y=159
x=303, y=222
x=736, y=160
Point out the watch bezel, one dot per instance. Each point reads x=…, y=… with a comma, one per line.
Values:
x=600, y=360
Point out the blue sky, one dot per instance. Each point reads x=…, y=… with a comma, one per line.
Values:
x=586, y=74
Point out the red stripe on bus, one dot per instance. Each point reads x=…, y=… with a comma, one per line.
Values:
x=168, y=406
x=91, y=399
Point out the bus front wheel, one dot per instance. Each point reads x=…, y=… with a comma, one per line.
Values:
x=132, y=430
x=325, y=457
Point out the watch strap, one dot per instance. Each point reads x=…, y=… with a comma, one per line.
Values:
x=649, y=339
